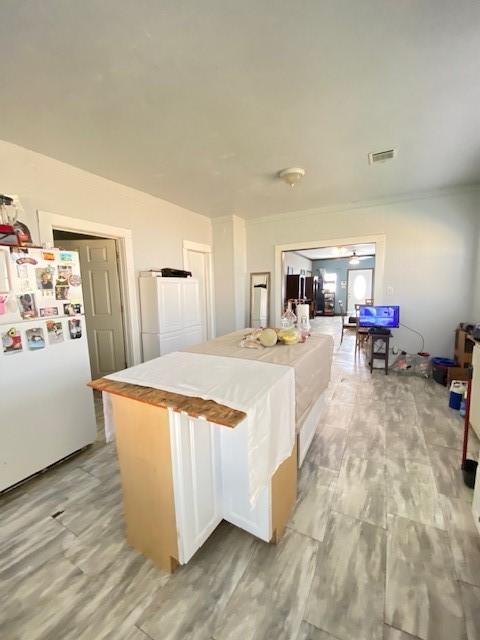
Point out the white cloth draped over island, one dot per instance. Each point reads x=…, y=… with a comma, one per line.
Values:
x=265, y=392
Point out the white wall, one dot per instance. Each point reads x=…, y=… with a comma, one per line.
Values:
x=430, y=256
x=240, y=271
x=230, y=265
x=158, y=227
x=296, y=262
x=223, y=269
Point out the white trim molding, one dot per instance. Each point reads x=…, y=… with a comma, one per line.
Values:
x=380, y=245
x=47, y=222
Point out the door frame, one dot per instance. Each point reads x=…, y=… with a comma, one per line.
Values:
x=279, y=284
x=206, y=249
x=372, y=269
x=48, y=222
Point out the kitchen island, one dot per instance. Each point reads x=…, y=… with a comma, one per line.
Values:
x=187, y=462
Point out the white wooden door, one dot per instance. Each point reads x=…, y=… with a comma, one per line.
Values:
x=102, y=301
x=198, y=262
x=169, y=304
x=193, y=311
x=359, y=287
x=195, y=447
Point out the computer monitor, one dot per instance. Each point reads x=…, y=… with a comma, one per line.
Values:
x=386, y=317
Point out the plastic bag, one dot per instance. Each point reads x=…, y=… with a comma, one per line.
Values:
x=412, y=364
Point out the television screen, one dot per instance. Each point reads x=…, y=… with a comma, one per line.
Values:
x=385, y=317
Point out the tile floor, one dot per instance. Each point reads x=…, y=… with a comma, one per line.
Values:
x=382, y=544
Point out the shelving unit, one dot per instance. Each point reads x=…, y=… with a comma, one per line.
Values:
x=463, y=354
x=302, y=289
x=329, y=304
x=463, y=348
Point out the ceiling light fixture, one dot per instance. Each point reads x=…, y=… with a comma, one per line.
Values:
x=354, y=259
x=292, y=175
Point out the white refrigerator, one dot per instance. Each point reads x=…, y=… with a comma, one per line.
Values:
x=46, y=409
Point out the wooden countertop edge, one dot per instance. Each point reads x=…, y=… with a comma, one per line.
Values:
x=193, y=406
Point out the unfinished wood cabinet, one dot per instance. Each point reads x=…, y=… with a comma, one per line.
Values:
x=463, y=354
x=143, y=446
x=182, y=475
x=463, y=348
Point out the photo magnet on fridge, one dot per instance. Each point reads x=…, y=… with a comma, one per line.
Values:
x=26, y=261
x=75, y=328
x=61, y=286
x=12, y=341
x=55, y=332
x=25, y=286
x=35, y=338
x=66, y=256
x=75, y=280
x=72, y=309
x=61, y=292
x=44, y=277
x=26, y=304
x=23, y=271
x=48, y=312
x=64, y=272
x=48, y=255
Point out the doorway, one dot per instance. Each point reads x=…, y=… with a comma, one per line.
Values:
x=197, y=258
x=318, y=277
x=359, y=288
x=102, y=297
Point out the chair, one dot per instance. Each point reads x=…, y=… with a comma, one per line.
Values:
x=361, y=336
x=346, y=325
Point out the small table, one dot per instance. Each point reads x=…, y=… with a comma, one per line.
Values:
x=384, y=338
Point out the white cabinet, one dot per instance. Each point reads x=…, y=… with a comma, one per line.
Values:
x=171, y=315
x=210, y=480
x=169, y=305
x=195, y=445
x=191, y=304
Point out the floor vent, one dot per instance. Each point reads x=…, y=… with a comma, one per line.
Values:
x=382, y=156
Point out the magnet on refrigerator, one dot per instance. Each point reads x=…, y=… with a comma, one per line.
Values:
x=12, y=341
x=35, y=338
x=75, y=328
x=55, y=332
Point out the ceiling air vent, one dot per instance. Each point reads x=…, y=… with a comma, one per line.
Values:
x=382, y=156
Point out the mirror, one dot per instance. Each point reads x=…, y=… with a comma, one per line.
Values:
x=259, y=299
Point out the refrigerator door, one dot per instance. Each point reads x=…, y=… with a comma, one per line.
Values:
x=46, y=409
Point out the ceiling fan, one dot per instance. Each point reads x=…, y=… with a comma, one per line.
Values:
x=356, y=259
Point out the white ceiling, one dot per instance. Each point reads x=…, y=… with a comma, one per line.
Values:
x=202, y=103
x=324, y=253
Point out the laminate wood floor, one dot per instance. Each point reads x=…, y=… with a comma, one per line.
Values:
x=381, y=546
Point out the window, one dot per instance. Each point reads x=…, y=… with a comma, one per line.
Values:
x=330, y=282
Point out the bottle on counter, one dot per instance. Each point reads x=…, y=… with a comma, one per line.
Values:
x=288, y=319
